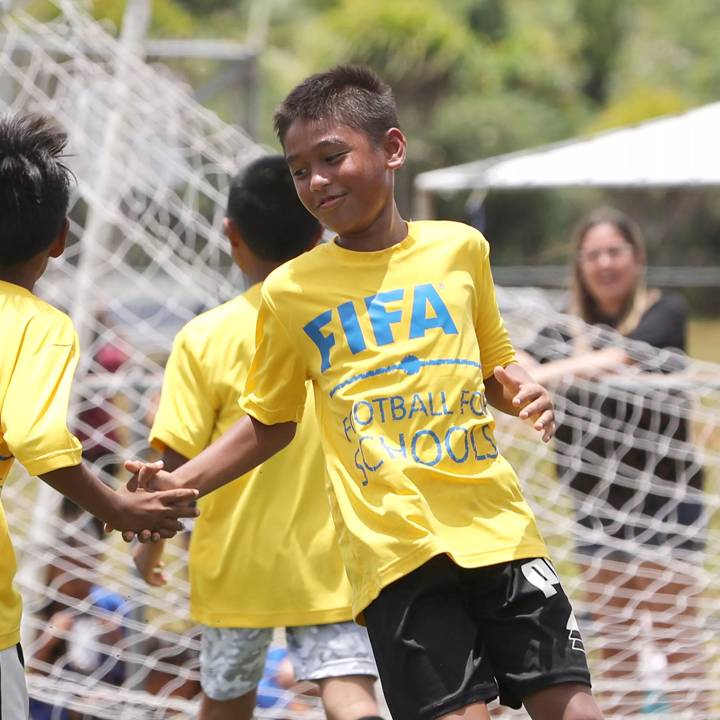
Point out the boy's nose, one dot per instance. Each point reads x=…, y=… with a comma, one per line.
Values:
x=318, y=181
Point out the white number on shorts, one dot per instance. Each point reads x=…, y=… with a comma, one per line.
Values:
x=542, y=575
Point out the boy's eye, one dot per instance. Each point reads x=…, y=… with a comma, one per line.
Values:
x=335, y=156
x=298, y=172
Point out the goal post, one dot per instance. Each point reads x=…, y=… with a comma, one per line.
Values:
x=147, y=253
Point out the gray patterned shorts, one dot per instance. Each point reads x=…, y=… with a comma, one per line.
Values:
x=232, y=659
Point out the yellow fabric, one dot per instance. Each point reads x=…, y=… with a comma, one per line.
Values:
x=397, y=343
x=38, y=356
x=263, y=552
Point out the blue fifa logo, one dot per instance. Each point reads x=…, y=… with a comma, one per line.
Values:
x=428, y=312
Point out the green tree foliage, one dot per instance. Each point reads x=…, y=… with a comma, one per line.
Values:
x=475, y=78
x=602, y=22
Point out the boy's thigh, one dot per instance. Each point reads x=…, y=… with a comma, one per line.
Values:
x=528, y=627
x=330, y=650
x=232, y=660
x=14, y=701
x=426, y=644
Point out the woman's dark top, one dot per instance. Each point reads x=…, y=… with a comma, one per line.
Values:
x=625, y=450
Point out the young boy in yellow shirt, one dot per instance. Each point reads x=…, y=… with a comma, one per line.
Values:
x=38, y=355
x=397, y=326
x=263, y=552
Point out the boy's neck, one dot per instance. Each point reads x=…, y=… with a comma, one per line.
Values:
x=19, y=274
x=388, y=229
x=259, y=270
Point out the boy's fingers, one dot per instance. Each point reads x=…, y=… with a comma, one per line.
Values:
x=545, y=423
x=181, y=511
x=147, y=472
x=128, y=536
x=527, y=393
x=178, y=496
x=167, y=533
x=503, y=377
x=168, y=527
x=544, y=419
x=548, y=430
x=157, y=577
x=132, y=466
x=536, y=407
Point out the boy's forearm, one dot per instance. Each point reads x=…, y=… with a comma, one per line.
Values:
x=82, y=487
x=245, y=446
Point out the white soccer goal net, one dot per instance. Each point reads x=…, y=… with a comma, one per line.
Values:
x=627, y=496
x=147, y=254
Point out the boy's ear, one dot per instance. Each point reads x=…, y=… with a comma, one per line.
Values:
x=395, y=146
x=231, y=231
x=58, y=246
x=238, y=248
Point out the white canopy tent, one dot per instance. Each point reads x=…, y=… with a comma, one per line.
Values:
x=669, y=151
x=676, y=150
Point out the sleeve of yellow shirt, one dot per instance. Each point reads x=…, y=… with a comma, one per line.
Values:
x=493, y=338
x=275, y=389
x=187, y=410
x=35, y=409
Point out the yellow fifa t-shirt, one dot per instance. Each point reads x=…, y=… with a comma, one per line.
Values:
x=263, y=552
x=397, y=343
x=38, y=356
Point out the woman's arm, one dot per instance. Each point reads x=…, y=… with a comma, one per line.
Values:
x=586, y=365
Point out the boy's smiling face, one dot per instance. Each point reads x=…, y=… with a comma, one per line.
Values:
x=342, y=177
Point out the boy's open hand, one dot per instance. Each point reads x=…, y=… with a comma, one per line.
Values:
x=148, y=561
x=531, y=399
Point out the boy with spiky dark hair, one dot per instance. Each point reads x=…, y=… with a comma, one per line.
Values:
x=263, y=553
x=397, y=326
x=38, y=355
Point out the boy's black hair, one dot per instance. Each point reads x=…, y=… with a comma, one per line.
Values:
x=34, y=186
x=265, y=207
x=351, y=95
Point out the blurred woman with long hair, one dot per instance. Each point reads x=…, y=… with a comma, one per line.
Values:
x=623, y=449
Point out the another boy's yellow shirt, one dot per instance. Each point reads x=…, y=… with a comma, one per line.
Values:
x=38, y=356
x=397, y=343
x=263, y=552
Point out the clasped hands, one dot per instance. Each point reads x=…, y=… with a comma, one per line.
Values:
x=151, y=478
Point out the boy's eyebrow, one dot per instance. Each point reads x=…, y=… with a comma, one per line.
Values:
x=332, y=140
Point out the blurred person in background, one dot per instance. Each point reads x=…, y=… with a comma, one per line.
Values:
x=264, y=552
x=625, y=453
x=83, y=619
x=98, y=427
x=279, y=689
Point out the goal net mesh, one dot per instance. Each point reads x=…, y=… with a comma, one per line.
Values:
x=147, y=254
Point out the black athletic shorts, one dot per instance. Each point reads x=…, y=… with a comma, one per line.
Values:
x=445, y=636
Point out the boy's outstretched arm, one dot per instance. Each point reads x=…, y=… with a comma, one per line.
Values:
x=243, y=447
x=512, y=390
x=124, y=510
